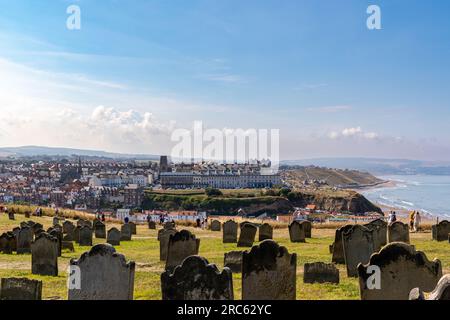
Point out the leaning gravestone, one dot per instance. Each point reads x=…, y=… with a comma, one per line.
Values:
x=105, y=275
x=296, y=232
x=24, y=239
x=247, y=235
x=100, y=230
x=441, y=231
x=133, y=228
x=216, y=225
x=233, y=260
x=398, y=232
x=85, y=236
x=269, y=273
x=230, y=231
x=126, y=232
x=196, y=279
x=20, y=289
x=338, y=247
x=402, y=269
x=44, y=255
x=320, y=272
x=380, y=233
x=265, y=232
x=152, y=225
x=358, y=247
x=113, y=237
x=163, y=237
x=181, y=245
x=307, y=226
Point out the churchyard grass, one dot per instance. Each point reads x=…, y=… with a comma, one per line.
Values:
x=144, y=250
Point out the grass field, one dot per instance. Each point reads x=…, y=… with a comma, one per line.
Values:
x=144, y=250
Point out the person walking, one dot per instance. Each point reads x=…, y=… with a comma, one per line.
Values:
x=417, y=221
x=411, y=220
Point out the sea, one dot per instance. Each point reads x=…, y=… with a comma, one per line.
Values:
x=427, y=193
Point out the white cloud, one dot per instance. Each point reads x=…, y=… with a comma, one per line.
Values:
x=356, y=132
x=331, y=109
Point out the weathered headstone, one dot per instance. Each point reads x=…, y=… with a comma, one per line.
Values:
x=126, y=232
x=230, y=231
x=105, y=275
x=296, y=232
x=196, y=279
x=216, y=225
x=11, y=215
x=319, y=272
x=27, y=214
x=398, y=232
x=113, y=237
x=307, y=226
x=37, y=227
x=181, y=245
x=401, y=269
x=83, y=222
x=152, y=225
x=44, y=255
x=7, y=243
x=55, y=220
x=233, y=260
x=24, y=239
x=20, y=289
x=100, y=230
x=338, y=247
x=269, y=273
x=265, y=232
x=85, y=236
x=163, y=237
x=169, y=225
x=76, y=234
x=247, y=235
x=68, y=227
x=133, y=228
x=441, y=231
x=380, y=233
x=59, y=236
x=358, y=247
x=67, y=245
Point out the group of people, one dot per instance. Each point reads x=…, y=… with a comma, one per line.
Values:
x=414, y=220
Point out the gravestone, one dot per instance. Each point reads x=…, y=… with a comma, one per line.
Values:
x=296, y=232
x=100, y=230
x=67, y=245
x=24, y=239
x=58, y=227
x=196, y=279
x=265, y=232
x=169, y=225
x=320, y=272
x=380, y=233
x=441, y=231
x=20, y=289
x=247, y=235
x=338, y=248
x=163, y=237
x=233, y=260
x=7, y=243
x=133, y=228
x=59, y=236
x=27, y=214
x=113, y=237
x=37, y=227
x=152, y=225
x=126, y=232
x=24, y=224
x=402, y=269
x=216, y=225
x=307, y=226
x=181, y=245
x=358, y=247
x=105, y=275
x=76, y=234
x=230, y=231
x=398, y=232
x=269, y=273
x=441, y=292
x=84, y=223
x=85, y=236
x=44, y=255
x=55, y=220
x=68, y=227
x=11, y=215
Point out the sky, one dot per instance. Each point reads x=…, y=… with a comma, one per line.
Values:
x=137, y=70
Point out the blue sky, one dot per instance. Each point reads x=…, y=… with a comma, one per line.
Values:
x=138, y=69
